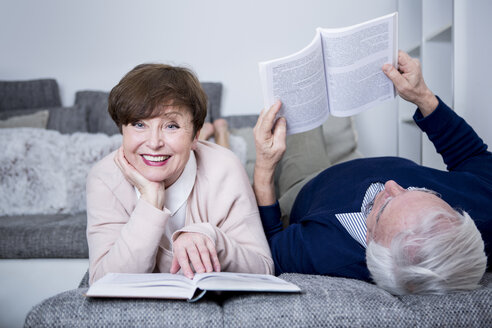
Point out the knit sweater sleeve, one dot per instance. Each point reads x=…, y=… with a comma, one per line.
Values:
x=460, y=146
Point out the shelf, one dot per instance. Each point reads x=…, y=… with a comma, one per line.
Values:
x=410, y=24
x=425, y=33
x=413, y=50
x=443, y=35
x=436, y=16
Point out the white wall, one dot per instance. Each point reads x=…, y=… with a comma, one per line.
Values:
x=473, y=51
x=90, y=44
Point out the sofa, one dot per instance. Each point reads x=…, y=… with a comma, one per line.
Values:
x=51, y=224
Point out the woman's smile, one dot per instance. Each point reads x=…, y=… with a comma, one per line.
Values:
x=155, y=160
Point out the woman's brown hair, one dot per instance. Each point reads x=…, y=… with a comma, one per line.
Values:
x=142, y=93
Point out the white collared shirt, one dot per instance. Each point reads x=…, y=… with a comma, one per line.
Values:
x=177, y=195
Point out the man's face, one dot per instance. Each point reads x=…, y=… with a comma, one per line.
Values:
x=397, y=209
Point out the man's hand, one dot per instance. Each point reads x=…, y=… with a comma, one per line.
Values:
x=409, y=83
x=270, y=147
x=152, y=192
x=195, y=248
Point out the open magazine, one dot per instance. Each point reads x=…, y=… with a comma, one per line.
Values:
x=175, y=286
x=338, y=73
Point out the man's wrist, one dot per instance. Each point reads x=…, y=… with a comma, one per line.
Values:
x=263, y=186
x=428, y=103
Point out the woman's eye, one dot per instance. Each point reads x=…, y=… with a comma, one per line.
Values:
x=138, y=124
x=172, y=126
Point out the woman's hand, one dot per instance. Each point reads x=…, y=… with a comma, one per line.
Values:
x=270, y=147
x=197, y=249
x=152, y=192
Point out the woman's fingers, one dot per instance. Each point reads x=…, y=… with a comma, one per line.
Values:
x=195, y=249
x=181, y=257
x=213, y=255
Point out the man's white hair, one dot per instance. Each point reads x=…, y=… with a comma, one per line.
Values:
x=444, y=253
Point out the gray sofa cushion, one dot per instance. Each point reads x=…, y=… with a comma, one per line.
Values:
x=324, y=302
x=29, y=94
x=96, y=106
x=214, y=95
x=67, y=119
x=340, y=302
x=73, y=309
x=241, y=121
x=338, y=132
x=63, y=119
x=43, y=236
x=37, y=119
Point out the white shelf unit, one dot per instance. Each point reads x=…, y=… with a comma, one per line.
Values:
x=426, y=33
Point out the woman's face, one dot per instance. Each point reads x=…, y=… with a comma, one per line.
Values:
x=159, y=147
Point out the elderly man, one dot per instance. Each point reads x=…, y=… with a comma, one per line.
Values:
x=406, y=226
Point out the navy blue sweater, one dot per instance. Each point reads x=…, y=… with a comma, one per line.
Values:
x=315, y=242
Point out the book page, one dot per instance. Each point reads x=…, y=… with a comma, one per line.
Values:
x=230, y=281
x=298, y=81
x=353, y=59
x=143, y=285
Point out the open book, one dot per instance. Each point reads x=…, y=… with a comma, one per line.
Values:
x=167, y=285
x=338, y=73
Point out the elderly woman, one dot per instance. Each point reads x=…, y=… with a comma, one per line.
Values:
x=165, y=201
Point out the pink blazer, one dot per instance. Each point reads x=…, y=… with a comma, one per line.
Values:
x=126, y=234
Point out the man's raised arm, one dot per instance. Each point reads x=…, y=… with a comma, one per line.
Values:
x=270, y=147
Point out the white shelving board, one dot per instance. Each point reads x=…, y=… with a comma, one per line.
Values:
x=426, y=33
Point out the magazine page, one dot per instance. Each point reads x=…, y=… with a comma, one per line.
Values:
x=298, y=81
x=143, y=285
x=353, y=59
x=231, y=281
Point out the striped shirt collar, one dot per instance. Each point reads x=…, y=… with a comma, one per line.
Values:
x=355, y=223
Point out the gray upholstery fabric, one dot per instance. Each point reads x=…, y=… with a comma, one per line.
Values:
x=73, y=309
x=324, y=302
x=29, y=94
x=84, y=283
x=43, y=236
x=340, y=302
x=96, y=106
x=214, y=95
x=38, y=119
x=241, y=121
x=63, y=119
x=67, y=119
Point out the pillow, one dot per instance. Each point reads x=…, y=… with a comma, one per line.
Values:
x=44, y=172
x=38, y=119
x=214, y=96
x=67, y=120
x=63, y=119
x=97, y=116
x=29, y=94
x=246, y=134
x=340, y=138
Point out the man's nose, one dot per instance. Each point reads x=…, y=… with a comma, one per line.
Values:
x=393, y=188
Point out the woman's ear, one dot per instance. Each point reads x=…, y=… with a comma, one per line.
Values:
x=195, y=140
